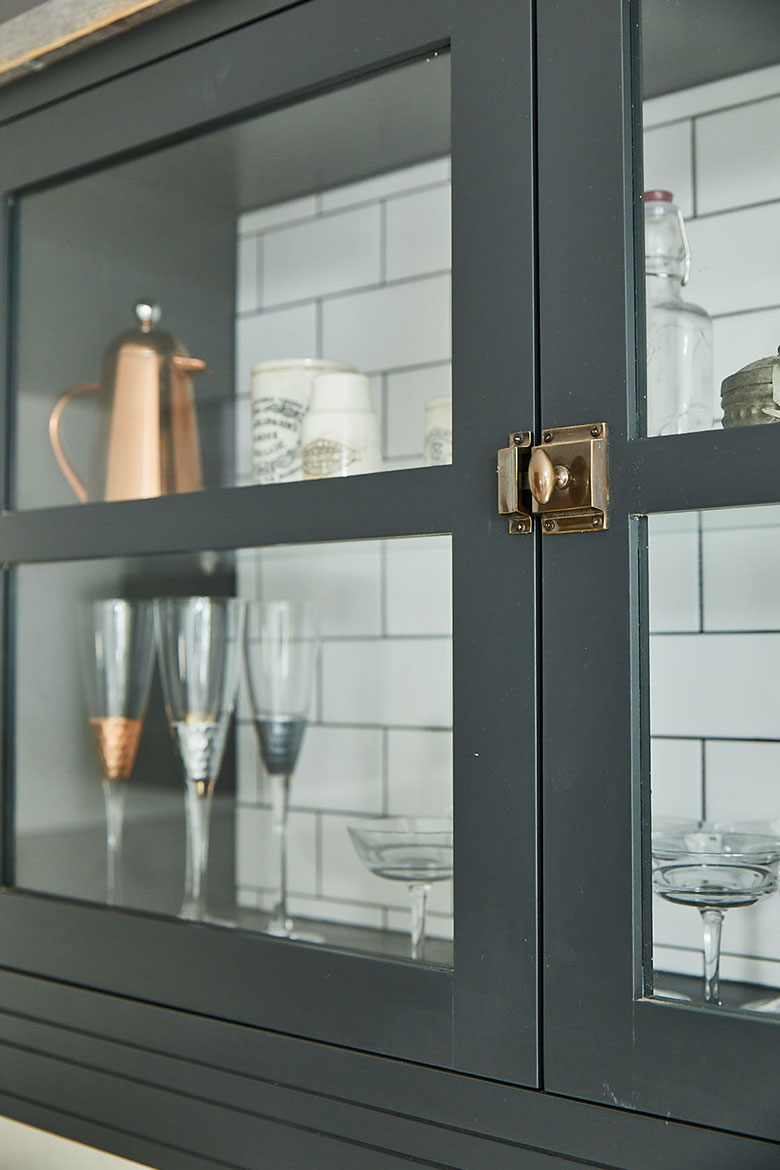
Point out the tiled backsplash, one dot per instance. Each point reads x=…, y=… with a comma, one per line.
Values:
x=715, y=620
x=362, y=275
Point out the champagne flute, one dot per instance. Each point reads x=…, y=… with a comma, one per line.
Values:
x=281, y=649
x=117, y=645
x=198, y=642
x=415, y=850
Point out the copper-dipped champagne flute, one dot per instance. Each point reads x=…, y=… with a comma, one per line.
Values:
x=116, y=639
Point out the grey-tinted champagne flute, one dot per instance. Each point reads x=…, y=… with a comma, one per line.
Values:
x=281, y=648
x=116, y=642
x=199, y=649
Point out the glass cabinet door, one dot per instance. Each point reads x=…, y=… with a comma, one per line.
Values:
x=252, y=616
x=664, y=952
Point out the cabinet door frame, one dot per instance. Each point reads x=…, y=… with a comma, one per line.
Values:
x=482, y=1016
x=671, y=1059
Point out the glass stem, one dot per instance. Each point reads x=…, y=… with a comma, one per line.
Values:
x=197, y=814
x=712, y=921
x=419, y=895
x=280, y=801
x=114, y=792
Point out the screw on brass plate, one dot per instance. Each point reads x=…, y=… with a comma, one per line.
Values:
x=595, y=431
x=547, y=436
x=548, y=525
x=596, y=522
x=518, y=438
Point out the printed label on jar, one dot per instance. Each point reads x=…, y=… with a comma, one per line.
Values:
x=276, y=439
x=438, y=446
x=327, y=457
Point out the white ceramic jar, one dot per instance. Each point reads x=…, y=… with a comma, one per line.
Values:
x=281, y=394
x=438, y=431
x=341, y=432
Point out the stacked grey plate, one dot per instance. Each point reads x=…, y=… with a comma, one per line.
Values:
x=751, y=397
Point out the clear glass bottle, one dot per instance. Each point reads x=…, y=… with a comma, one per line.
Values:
x=680, y=396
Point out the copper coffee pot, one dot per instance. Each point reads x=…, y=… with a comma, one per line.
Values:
x=146, y=442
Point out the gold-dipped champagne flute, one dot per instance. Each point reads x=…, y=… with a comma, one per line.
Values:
x=116, y=639
x=199, y=651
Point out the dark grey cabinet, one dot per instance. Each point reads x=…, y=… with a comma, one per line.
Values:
x=533, y=1038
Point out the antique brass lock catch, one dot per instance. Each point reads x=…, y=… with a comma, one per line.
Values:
x=563, y=480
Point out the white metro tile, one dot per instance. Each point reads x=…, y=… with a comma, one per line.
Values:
x=673, y=573
x=715, y=685
x=741, y=339
x=388, y=681
x=247, y=262
x=281, y=333
x=758, y=516
x=277, y=213
x=326, y=255
x=325, y=910
x=419, y=773
x=730, y=254
x=675, y=778
x=344, y=580
x=733, y=166
x=741, y=969
x=407, y=393
x=713, y=95
x=743, y=782
x=677, y=960
x=257, y=851
x=340, y=768
x=668, y=163
x=246, y=572
x=383, y=186
x=659, y=522
x=418, y=233
x=740, y=570
x=419, y=585
x=247, y=764
x=402, y=325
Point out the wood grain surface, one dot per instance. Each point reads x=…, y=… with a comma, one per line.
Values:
x=45, y=31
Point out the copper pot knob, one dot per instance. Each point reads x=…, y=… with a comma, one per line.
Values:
x=544, y=476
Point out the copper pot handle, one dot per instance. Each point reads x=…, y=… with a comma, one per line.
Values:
x=54, y=435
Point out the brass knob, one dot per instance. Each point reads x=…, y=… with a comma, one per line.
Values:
x=544, y=476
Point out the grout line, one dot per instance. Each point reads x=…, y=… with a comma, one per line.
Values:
x=745, y=312
x=318, y=867
x=694, y=170
x=318, y=326
x=730, y=633
x=700, y=554
x=321, y=212
x=385, y=771
x=732, y=209
x=716, y=738
x=382, y=241
x=383, y=591
x=355, y=290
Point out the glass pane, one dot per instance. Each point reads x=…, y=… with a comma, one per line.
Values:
x=715, y=753
x=302, y=258
x=358, y=715
x=711, y=89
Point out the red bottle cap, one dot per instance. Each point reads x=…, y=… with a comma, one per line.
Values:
x=659, y=197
